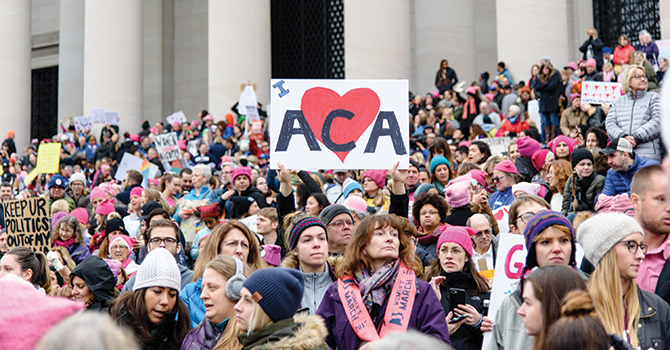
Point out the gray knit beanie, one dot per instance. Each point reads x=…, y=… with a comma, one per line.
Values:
x=159, y=269
x=600, y=233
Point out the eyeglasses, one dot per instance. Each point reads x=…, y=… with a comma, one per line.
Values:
x=485, y=232
x=632, y=246
x=339, y=224
x=232, y=244
x=169, y=241
x=525, y=217
x=428, y=212
x=640, y=76
x=497, y=179
x=118, y=247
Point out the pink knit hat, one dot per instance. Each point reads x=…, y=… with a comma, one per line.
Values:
x=539, y=158
x=97, y=193
x=615, y=204
x=241, y=170
x=135, y=138
x=457, y=234
x=108, y=188
x=527, y=146
x=154, y=182
x=458, y=193
x=81, y=214
x=127, y=241
x=506, y=166
x=271, y=254
x=356, y=203
x=528, y=188
x=471, y=90
x=591, y=62
x=378, y=176
x=479, y=175
x=137, y=191
x=562, y=138
x=105, y=207
x=26, y=314
x=57, y=217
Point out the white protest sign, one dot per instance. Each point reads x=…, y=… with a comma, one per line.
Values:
x=166, y=145
x=663, y=48
x=82, y=123
x=112, y=117
x=509, y=266
x=98, y=115
x=534, y=112
x=250, y=223
x=498, y=145
x=130, y=162
x=248, y=103
x=350, y=124
x=179, y=117
x=502, y=216
x=597, y=92
x=192, y=147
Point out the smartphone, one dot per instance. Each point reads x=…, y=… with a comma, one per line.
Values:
x=454, y=320
x=457, y=297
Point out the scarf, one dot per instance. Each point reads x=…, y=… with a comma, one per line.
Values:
x=470, y=107
x=427, y=240
x=59, y=243
x=375, y=287
x=513, y=119
x=96, y=240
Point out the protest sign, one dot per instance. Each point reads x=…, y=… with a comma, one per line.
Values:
x=28, y=224
x=166, y=145
x=192, y=147
x=48, y=160
x=131, y=162
x=82, y=123
x=663, y=48
x=509, y=266
x=597, y=92
x=502, y=216
x=534, y=112
x=248, y=103
x=98, y=115
x=498, y=145
x=351, y=124
x=250, y=222
x=178, y=117
x=112, y=117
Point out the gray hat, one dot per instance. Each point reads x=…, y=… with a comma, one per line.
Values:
x=330, y=212
x=600, y=233
x=159, y=269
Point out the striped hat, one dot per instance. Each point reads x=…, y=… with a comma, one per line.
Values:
x=301, y=226
x=539, y=223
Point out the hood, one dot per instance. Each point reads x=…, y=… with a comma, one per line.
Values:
x=98, y=277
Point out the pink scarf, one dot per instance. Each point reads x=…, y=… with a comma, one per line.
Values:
x=65, y=244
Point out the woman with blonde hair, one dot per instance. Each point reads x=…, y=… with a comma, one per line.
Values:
x=374, y=183
x=613, y=243
x=156, y=196
x=222, y=283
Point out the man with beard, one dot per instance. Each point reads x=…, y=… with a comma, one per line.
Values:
x=649, y=195
x=6, y=193
x=186, y=175
x=485, y=244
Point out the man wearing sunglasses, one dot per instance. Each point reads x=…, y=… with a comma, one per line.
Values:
x=504, y=176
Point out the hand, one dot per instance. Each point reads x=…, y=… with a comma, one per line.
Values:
x=487, y=324
x=283, y=174
x=138, y=244
x=184, y=214
x=573, y=134
x=484, y=200
x=435, y=283
x=227, y=195
x=52, y=258
x=605, y=107
x=632, y=141
x=473, y=316
x=398, y=175
x=506, y=133
x=453, y=327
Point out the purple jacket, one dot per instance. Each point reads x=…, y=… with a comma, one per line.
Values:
x=427, y=317
x=78, y=252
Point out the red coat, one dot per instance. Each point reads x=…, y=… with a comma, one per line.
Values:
x=621, y=54
x=512, y=128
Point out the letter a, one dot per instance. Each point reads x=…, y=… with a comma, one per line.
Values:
x=393, y=131
x=287, y=131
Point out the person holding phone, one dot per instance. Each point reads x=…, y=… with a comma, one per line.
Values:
x=460, y=288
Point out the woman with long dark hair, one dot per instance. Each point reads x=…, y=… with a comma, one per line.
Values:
x=550, y=85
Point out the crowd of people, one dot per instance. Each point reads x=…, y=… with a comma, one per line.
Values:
x=218, y=251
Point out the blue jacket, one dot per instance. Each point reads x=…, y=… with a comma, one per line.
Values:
x=192, y=196
x=191, y=297
x=501, y=198
x=616, y=182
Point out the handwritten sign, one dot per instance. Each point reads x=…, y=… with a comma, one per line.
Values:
x=48, y=160
x=325, y=124
x=131, y=162
x=98, y=115
x=28, y=224
x=178, y=117
x=167, y=147
x=83, y=123
x=498, y=145
x=598, y=92
x=112, y=117
x=502, y=216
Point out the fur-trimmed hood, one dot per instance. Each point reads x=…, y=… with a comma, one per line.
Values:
x=304, y=333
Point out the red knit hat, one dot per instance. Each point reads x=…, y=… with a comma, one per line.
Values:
x=506, y=166
x=457, y=234
x=378, y=176
x=538, y=158
x=527, y=146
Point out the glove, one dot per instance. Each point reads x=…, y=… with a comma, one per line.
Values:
x=52, y=257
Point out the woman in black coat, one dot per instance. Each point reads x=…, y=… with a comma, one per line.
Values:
x=550, y=85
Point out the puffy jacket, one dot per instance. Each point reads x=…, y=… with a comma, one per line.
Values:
x=501, y=198
x=78, y=252
x=204, y=337
x=191, y=297
x=585, y=196
x=425, y=317
x=654, y=327
x=616, y=182
x=525, y=168
x=572, y=118
x=621, y=54
x=640, y=117
x=300, y=332
x=99, y=280
x=514, y=129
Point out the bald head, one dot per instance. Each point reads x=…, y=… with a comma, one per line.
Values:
x=484, y=107
x=479, y=222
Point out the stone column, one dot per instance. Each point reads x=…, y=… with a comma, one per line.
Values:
x=15, y=74
x=71, y=59
x=377, y=39
x=113, y=60
x=239, y=44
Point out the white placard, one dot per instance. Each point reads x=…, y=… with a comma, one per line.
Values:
x=192, y=147
x=498, y=145
x=509, y=266
x=534, y=112
x=248, y=103
x=112, y=117
x=167, y=147
x=327, y=124
x=597, y=92
x=98, y=115
x=82, y=123
x=502, y=216
x=177, y=117
x=130, y=162
x=250, y=223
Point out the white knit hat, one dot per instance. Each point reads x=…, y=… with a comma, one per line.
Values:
x=601, y=232
x=159, y=269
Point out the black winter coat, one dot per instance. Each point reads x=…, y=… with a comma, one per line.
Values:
x=550, y=90
x=654, y=327
x=99, y=280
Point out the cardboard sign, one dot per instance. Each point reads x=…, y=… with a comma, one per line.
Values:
x=82, y=123
x=28, y=224
x=112, y=117
x=509, y=265
x=167, y=147
x=48, y=160
x=596, y=92
x=351, y=124
x=256, y=130
x=498, y=145
x=178, y=117
x=130, y=162
x=98, y=115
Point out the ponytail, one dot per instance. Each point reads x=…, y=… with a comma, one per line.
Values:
x=575, y=202
x=35, y=262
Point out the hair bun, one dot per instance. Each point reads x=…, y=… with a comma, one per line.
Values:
x=577, y=303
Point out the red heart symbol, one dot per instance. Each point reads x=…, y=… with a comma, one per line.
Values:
x=318, y=102
x=499, y=214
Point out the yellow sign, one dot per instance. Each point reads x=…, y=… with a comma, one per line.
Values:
x=48, y=160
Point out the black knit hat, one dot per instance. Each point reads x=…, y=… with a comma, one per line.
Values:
x=580, y=154
x=278, y=291
x=116, y=224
